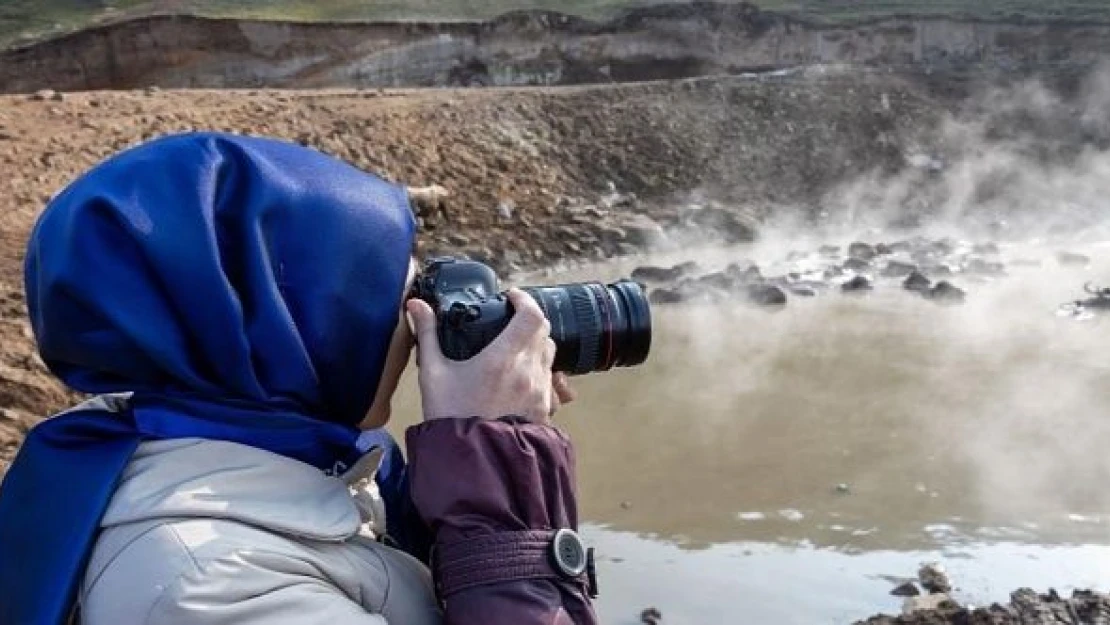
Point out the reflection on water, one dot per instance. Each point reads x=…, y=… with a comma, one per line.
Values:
x=764, y=584
x=782, y=462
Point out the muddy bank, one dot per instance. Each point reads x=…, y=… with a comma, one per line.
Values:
x=1026, y=607
x=532, y=48
x=928, y=602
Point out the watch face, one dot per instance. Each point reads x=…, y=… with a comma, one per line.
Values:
x=569, y=553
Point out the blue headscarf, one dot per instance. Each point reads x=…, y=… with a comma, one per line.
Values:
x=242, y=289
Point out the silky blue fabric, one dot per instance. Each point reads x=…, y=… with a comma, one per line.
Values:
x=243, y=289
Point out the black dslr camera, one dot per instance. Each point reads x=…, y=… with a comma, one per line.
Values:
x=595, y=327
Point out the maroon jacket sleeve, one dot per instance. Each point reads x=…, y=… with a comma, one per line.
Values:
x=494, y=493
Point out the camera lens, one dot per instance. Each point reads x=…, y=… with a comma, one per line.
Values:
x=596, y=327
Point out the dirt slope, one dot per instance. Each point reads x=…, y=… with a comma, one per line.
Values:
x=530, y=172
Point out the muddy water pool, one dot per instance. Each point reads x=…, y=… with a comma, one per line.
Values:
x=792, y=466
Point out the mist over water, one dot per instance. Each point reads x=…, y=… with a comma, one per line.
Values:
x=987, y=419
x=975, y=435
x=1015, y=162
x=972, y=434
x=801, y=459
x=988, y=416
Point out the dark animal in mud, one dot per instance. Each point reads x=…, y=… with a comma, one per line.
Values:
x=946, y=293
x=664, y=274
x=1100, y=299
x=858, y=284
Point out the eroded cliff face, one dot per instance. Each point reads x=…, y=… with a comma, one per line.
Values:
x=527, y=49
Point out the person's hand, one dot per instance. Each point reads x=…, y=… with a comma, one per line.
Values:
x=510, y=377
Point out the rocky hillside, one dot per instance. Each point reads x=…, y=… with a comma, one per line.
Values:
x=531, y=48
x=534, y=176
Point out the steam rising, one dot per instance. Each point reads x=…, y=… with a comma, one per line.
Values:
x=1018, y=162
x=1017, y=396
x=991, y=414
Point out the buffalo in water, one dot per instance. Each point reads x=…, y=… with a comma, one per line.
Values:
x=1085, y=308
x=1101, y=297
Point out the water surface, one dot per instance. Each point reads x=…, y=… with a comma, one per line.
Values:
x=791, y=466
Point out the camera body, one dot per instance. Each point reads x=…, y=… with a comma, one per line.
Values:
x=468, y=302
x=595, y=327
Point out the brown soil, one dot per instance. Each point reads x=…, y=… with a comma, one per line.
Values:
x=548, y=155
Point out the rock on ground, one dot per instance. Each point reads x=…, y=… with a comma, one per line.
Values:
x=1026, y=607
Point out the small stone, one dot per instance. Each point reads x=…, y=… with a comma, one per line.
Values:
x=718, y=280
x=458, y=239
x=801, y=290
x=651, y=616
x=43, y=95
x=902, y=246
x=934, y=578
x=626, y=505
x=946, y=292
x=945, y=246
x=843, y=489
x=505, y=210
x=908, y=589
x=643, y=231
x=746, y=272
x=627, y=249
x=937, y=270
x=766, y=295
x=898, y=269
x=687, y=268
x=650, y=273
x=856, y=265
x=917, y=282
x=731, y=227
x=618, y=200
x=665, y=296
x=858, y=284
x=923, y=256
x=927, y=603
x=611, y=234
x=861, y=250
